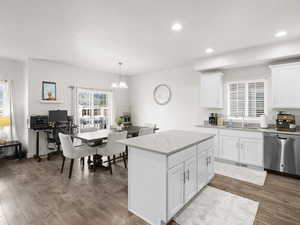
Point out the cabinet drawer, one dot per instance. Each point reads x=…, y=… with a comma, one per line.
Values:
x=206, y=145
x=242, y=134
x=181, y=156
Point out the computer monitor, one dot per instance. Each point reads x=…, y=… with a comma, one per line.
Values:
x=58, y=116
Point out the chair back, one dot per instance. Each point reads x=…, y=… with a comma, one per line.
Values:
x=146, y=130
x=113, y=147
x=66, y=144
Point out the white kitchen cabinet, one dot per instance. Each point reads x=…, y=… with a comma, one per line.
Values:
x=210, y=163
x=175, y=189
x=229, y=148
x=251, y=151
x=202, y=169
x=182, y=184
x=211, y=130
x=190, y=184
x=211, y=90
x=242, y=147
x=285, y=85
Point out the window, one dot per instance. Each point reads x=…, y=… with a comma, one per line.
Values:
x=94, y=108
x=1, y=98
x=246, y=99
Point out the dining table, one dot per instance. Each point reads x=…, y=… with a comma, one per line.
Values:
x=100, y=136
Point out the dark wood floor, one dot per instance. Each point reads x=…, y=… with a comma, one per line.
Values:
x=34, y=193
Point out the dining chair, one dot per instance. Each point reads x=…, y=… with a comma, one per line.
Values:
x=113, y=148
x=146, y=130
x=72, y=152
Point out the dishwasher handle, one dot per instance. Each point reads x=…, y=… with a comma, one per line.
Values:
x=281, y=138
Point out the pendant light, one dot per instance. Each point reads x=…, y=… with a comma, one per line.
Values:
x=121, y=84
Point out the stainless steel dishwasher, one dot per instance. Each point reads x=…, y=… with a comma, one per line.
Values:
x=282, y=153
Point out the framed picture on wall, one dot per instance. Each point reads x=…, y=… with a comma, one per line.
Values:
x=49, y=91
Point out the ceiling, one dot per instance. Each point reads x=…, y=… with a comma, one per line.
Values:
x=100, y=33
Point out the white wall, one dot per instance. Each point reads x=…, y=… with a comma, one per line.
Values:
x=14, y=70
x=183, y=111
x=64, y=76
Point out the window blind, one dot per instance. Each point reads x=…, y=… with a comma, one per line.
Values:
x=256, y=99
x=246, y=99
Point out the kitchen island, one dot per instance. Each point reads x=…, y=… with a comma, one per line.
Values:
x=165, y=171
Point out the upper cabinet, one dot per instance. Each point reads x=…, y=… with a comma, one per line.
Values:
x=285, y=85
x=211, y=90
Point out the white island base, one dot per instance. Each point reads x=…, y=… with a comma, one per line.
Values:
x=165, y=171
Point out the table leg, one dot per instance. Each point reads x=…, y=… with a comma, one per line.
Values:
x=37, y=156
x=20, y=151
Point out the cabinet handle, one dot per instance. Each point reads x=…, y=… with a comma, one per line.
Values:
x=207, y=161
x=188, y=174
x=184, y=177
x=242, y=146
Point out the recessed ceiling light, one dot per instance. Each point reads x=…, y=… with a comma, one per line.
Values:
x=209, y=50
x=281, y=33
x=176, y=27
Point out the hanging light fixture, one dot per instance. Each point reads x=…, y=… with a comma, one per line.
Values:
x=121, y=84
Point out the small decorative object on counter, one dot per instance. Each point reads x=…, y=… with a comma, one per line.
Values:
x=263, y=121
x=220, y=121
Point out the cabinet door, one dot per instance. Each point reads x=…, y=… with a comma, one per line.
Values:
x=285, y=87
x=175, y=189
x=190, y=187
x=211, y=90
x=229, y=148
x=210, y=164
x=202, y=169
x=251, y=151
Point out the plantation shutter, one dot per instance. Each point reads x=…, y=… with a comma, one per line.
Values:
x=256, y=99
x=246, y=99
x=237, y=99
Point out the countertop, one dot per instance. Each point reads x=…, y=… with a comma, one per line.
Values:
x=267, y=130
x=167, y=142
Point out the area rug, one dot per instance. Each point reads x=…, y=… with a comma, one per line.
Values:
x=216, y=207
x=254, y=176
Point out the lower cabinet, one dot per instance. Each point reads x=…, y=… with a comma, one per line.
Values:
x=175, y=189
x=182, y=185
x=190, y=185
x=242, y=147
x=251, y=151
x=229, y=148
x=205, y=167
x=189, y=176
x=202, y=169
x=210, y=163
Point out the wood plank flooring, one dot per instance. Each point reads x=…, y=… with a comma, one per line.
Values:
x=279, y=198
x=34, y=193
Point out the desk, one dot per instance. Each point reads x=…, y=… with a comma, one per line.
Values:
x=49, y=129
x=16, y=144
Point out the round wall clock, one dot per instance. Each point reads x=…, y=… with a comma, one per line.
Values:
x=162, y=94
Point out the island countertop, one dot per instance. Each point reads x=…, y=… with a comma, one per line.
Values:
x=167, y=142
